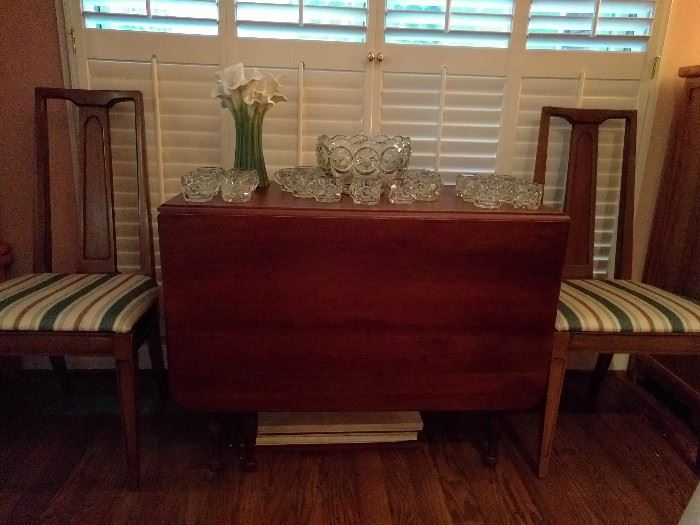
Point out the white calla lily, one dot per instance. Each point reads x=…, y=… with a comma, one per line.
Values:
x=231, y=84
x=233, y=78
x=265, y=92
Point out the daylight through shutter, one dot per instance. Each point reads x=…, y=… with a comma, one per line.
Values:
x=194, y=17
x=467, y=23
x=590, y=25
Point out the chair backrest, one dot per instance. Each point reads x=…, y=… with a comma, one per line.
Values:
x=581, y=180
x=94, y=184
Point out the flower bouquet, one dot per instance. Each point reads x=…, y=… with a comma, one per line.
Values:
x=248, y=100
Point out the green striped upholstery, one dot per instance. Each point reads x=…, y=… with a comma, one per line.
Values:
x=75, y=302
x=593, y=305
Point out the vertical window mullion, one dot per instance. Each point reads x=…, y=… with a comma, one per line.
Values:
x=594, y=22
x=448, y=13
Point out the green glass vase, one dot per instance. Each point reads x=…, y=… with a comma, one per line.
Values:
x=249, y=147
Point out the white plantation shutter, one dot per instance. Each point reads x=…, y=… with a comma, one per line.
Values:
x=333, y=105
x=471, y=124
x=455, y=129
x=189, y=121
x=597, y=94
x=535, y=93
x=468, y=23
x=411, y=107
x=125, y=191
x=591, y=25
x=196, y=17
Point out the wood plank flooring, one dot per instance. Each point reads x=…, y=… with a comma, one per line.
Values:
x=61, y=461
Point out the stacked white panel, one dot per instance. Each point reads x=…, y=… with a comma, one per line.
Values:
x=471, y=120
x=410, y=106
x=189, y=121
x=454, y=127
x=591, y=93
x=333, y=105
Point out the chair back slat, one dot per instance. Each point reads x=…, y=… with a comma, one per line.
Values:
x=94, y=183
x=95, y=192
x=581, y=184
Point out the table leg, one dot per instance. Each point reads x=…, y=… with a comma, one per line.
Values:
x=215, y=427
x=248, y=436
x=495, y=431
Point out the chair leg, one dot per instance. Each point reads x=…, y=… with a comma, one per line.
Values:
x=695, y=424
x=155, y=352
x=495, y=432
x=126, y=365
x=58, y=363
x=601, y=368
x=555, y=381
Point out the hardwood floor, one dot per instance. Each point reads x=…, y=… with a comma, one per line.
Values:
x=61, y=461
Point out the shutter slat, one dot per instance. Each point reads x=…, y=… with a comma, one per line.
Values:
x=483, y=6
x=563, y=42
x=154, y=24
x=295, y=32
x=335, y=16
x=480, y=23
x=453, y=38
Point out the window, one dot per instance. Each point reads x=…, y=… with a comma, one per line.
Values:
x=468, y=23
x=334, y=20
x=194, y=17
x=590, y=25
x=582, y=25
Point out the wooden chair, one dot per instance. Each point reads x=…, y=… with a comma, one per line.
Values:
x=605, y=316
x=97, y=312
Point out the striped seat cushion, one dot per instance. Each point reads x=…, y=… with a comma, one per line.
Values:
x=75, y=302
x=593, y=305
